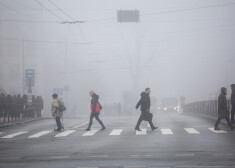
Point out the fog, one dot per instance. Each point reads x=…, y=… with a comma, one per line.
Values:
x=180, y=48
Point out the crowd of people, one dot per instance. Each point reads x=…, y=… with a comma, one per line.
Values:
x=17, y=107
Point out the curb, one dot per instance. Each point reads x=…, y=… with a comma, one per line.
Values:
x=19, y=123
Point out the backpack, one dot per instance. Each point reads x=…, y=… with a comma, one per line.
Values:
x=62, y=107
x=98, y=107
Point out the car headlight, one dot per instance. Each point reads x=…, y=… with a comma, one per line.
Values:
x=175, y=108
x=165, y=108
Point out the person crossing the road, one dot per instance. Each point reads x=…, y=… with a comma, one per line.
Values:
x=95, y=110
x=223, y=109
x=57, y=109
x=232, y=103
x=145, y=103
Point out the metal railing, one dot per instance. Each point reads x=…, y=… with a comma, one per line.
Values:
x=209, y=108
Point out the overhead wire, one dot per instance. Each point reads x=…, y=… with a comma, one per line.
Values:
x=48, y=10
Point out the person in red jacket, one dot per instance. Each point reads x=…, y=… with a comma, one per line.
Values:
x=95, y=110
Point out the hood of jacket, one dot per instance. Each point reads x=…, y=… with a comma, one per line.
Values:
x=95, y=96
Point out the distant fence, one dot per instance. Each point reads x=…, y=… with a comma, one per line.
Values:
x=13, y=112
x=209, y=108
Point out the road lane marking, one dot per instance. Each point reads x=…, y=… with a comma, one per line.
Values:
x=80, y=125
x=141, y=156
x=116, y=132
x=134, y=166
x=166, y=131
x=65, y=133
x=90, y=133
x=191, y=131
x=185, y=154
x=58, y=157
x=15, y=134
x=98, y=156
x=39, y=134
x=143, y=132
x=87, y=167
x=217, y=131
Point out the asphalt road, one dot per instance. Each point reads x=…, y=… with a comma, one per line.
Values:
x=181, y=141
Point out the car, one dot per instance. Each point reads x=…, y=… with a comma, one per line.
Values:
x=170, y=104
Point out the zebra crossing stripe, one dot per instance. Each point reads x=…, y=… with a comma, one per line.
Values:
x=143, y=132
x=90, y=133
x=15, y=134
x=191, y=131
x=217, y=131
x=39, y=134
x=65, y=133
x=116, y=132
x=166, y=131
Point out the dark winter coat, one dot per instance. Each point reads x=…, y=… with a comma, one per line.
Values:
x=94, y=100
x=144, y=102
x=233, y=98
x=222, y=101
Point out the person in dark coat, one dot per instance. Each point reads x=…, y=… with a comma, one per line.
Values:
x=233, y=103
x=95, y=111
x=222, y=105
x=145, y=103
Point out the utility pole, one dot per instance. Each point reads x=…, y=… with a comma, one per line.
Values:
x=23, y=68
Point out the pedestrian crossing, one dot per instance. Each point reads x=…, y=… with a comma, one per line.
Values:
x=112, y=132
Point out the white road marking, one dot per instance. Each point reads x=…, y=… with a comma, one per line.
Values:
x=141, y=155
x=15, y=134
x=116, y=132
x=65, y=133
x=191, y=131
x=13, y=158
x=58, y=157
x=80, y=125
x=143, y=132
x=134, y=166
x=39, y=134
x=90, y=133
x=98, y=156
x=217, y=131
x=87, y=167
x=166, y=131
x=185, y=154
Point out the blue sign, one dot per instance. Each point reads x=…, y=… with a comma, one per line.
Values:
x=30, y=73
x=58, y=91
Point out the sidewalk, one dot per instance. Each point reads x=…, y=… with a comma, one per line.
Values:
x=2, y=125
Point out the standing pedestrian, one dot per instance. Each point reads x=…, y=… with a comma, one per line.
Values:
x=223, y=109
x=233, y=103
x=95, y=110
x=57, y=109
x=145, y=103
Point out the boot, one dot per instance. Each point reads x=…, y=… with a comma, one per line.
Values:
x=88, y=129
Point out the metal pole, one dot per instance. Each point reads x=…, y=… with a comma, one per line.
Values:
x=23, y=68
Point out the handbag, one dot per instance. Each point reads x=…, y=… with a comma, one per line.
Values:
x=223, y=114
x=147, y=116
